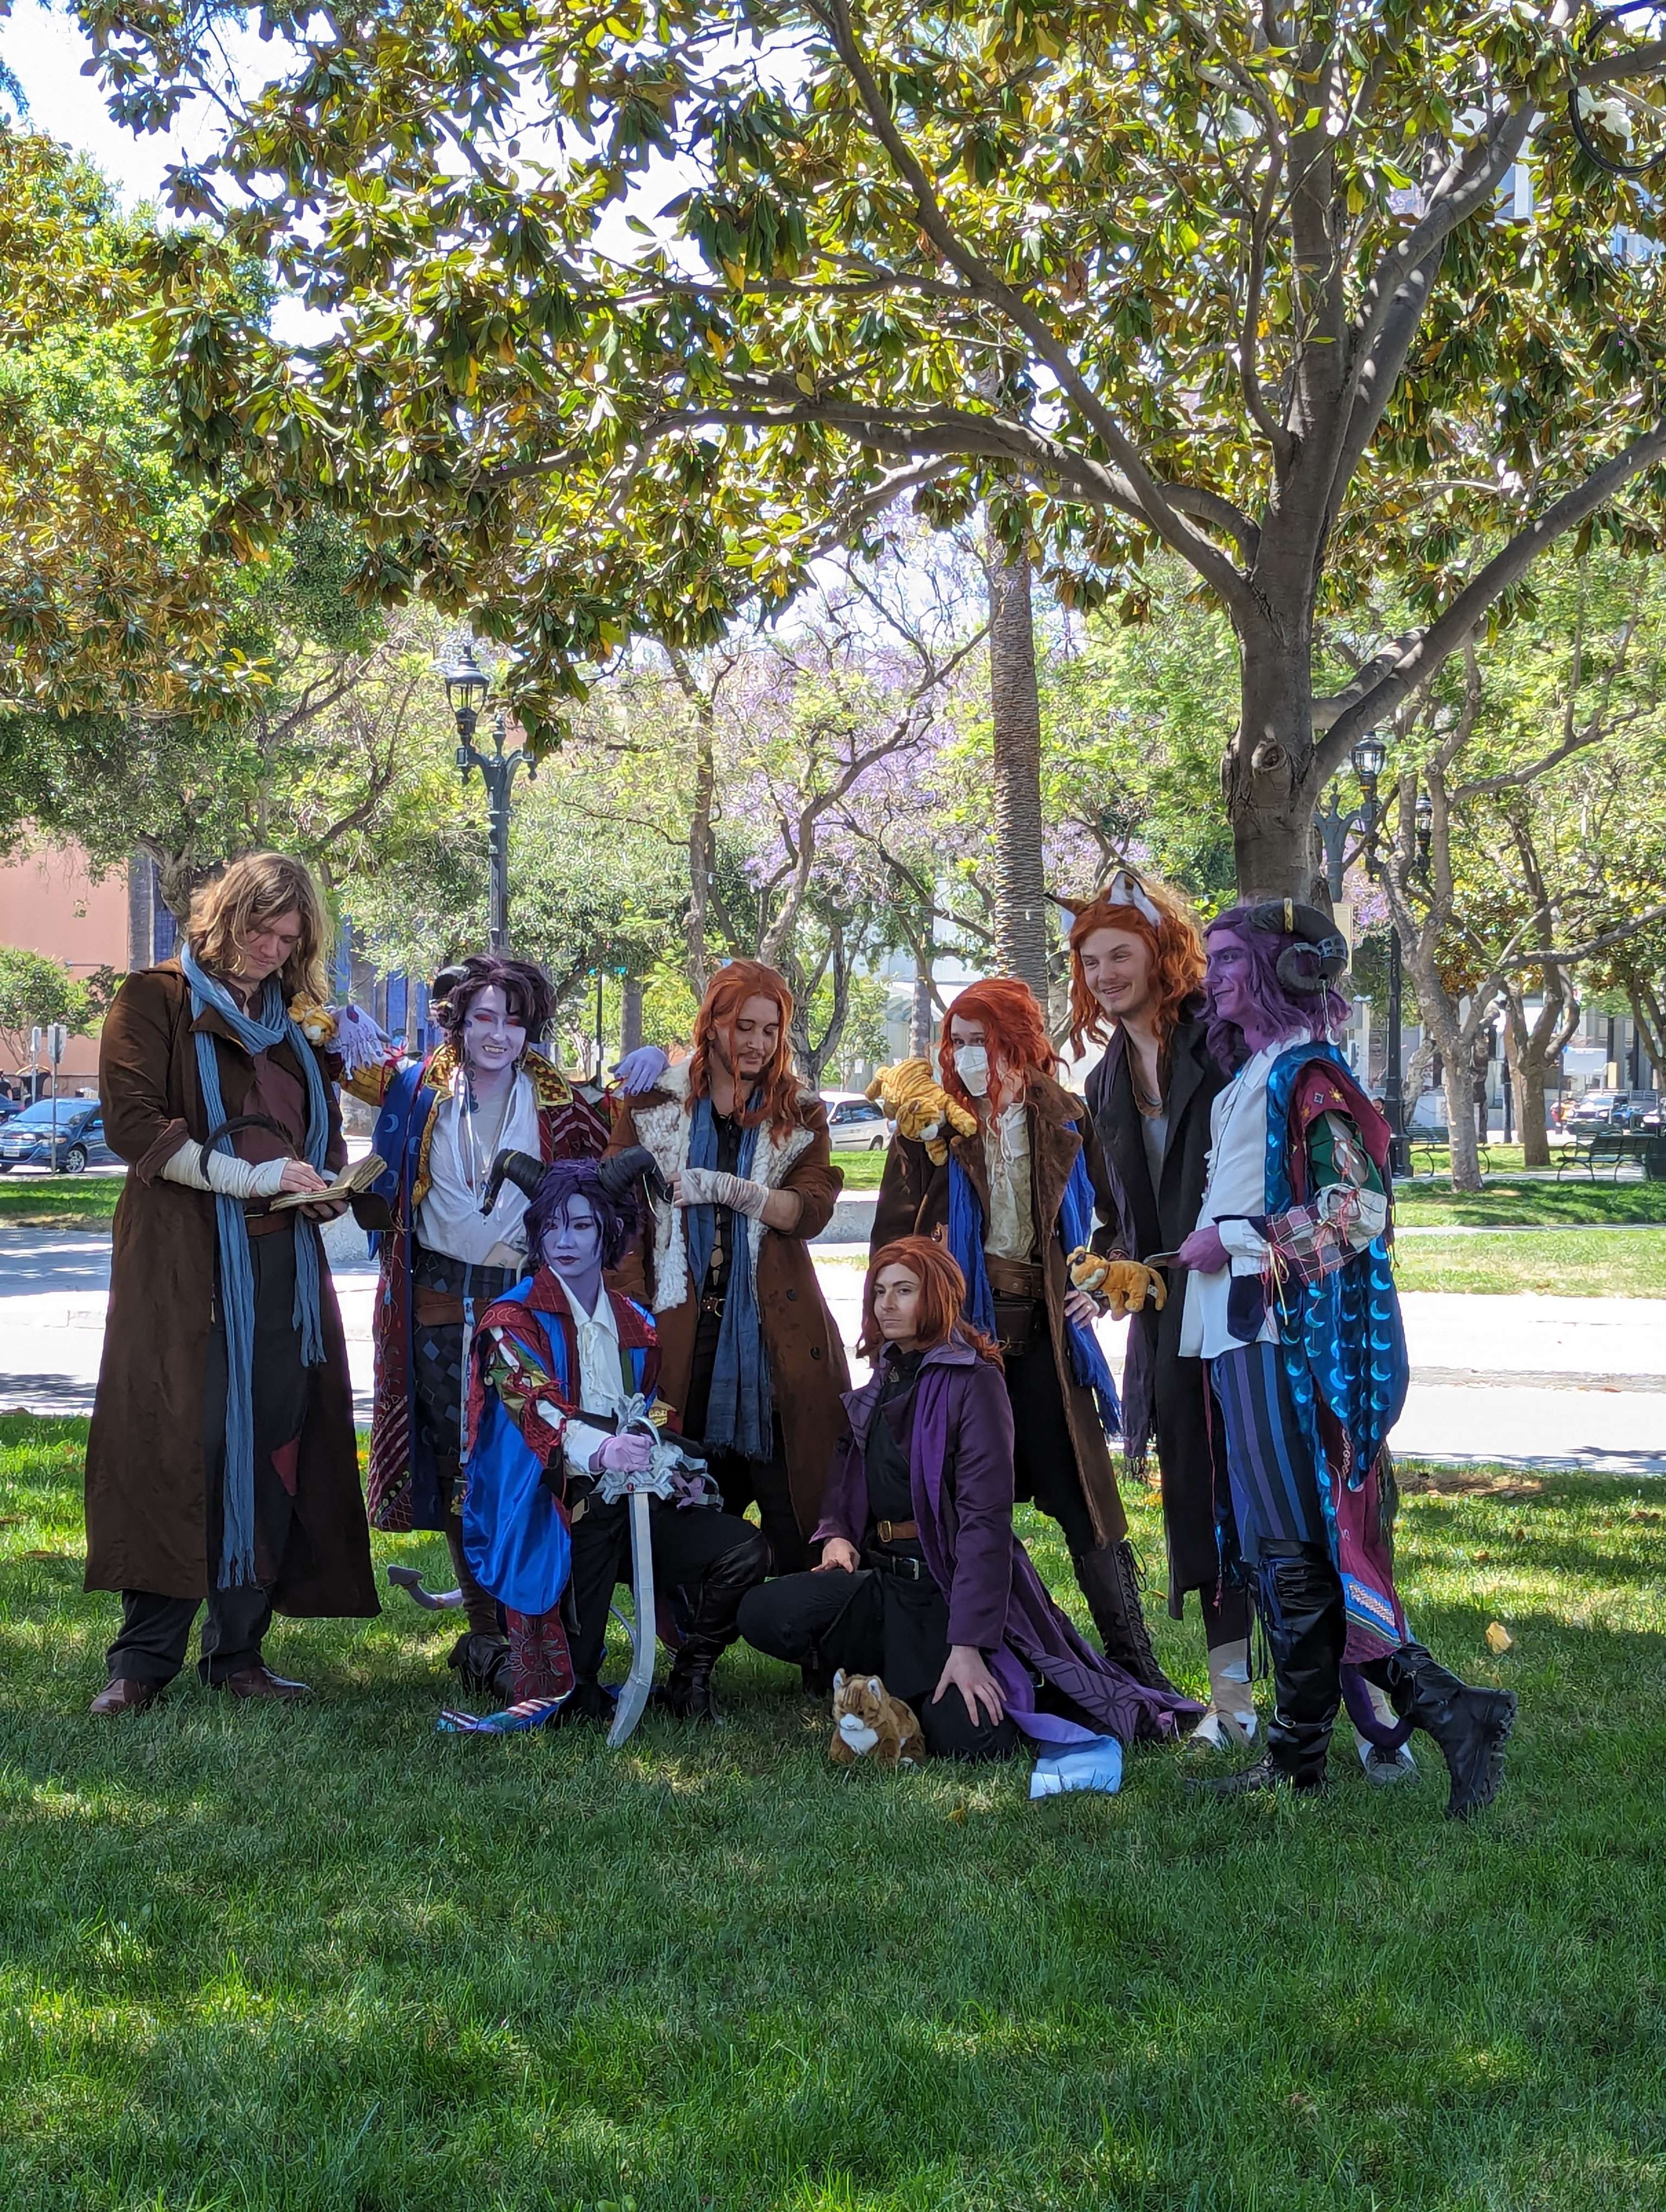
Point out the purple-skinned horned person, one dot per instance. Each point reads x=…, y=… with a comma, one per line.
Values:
x=1290, y=1300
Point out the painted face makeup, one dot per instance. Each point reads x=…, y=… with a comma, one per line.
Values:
x=492, y=1037
x=573, y=1242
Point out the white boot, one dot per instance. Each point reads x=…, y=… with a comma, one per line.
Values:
x=1385, y=1766
x=1229, y=1722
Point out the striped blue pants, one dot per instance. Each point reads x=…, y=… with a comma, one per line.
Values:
x=1275, y=1493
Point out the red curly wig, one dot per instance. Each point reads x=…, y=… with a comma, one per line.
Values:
x=1013, y=1029
x=942, y=1292
x=725, y=994
x=1176, y=945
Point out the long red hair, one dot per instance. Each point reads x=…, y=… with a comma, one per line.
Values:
x=725, y=994
x=1175, y=946
x=942, y=1292
x=1013, y=1028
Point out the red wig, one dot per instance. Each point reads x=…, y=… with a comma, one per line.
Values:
x=1013, y=1031
x=942, y=1293
x=1176, y=945
x=725, y=994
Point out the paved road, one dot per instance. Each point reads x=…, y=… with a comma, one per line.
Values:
x=1533, y=1381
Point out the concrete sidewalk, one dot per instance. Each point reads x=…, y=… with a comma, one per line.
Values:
x=1529, y=1382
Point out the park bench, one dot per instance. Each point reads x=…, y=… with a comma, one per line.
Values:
x=1426, y=1147
x=1611, y=1149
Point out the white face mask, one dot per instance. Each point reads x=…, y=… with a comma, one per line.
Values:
x=971, y=1065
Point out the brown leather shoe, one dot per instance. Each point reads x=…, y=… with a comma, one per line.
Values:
x=259, y=1681
x=125, y=1695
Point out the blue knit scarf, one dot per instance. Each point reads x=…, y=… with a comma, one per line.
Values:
x=255, y=1035
x=1076, y=1225
x=740, y=1411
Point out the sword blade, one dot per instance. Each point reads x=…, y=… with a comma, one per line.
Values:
x=634, y=1692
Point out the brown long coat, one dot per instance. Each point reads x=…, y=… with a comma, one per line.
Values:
x=913, y=1202
x=807, y=1365
x=147, y=1506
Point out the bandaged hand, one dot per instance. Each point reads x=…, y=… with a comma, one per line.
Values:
x=712, y=1187
x=626, y=1455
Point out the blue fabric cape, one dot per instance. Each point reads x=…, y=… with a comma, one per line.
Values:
x=514, y=1533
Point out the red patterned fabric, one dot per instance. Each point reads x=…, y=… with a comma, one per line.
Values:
x=540, y=1664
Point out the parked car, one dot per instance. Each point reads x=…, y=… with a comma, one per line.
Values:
x=855, y=1124
x=1616, y=1110
x=26, y=1141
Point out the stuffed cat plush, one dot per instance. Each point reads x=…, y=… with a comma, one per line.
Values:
x=917, y=1103
x=868, y=1722
x=1125, y=1285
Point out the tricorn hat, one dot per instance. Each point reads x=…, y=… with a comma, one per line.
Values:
x=1320, y=952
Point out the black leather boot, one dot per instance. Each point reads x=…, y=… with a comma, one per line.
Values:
x=1470, y=1725
x=588, y=1703
x=483, y=1661
x=1109, y=1582
x=1299, y=1598
x=687, y=1691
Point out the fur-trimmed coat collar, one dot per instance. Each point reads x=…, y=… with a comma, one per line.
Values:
x=664, y=1124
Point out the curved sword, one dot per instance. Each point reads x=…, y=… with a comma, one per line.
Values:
x=638, y=1683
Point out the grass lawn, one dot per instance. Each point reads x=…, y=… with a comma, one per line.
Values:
x=327, y=1958
x=1625, y=1264
x=1539, y=1204
x=58, y=1201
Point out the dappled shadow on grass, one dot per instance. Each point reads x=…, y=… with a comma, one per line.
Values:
x=327, y=1959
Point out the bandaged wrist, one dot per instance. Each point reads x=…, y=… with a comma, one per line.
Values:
x=226, y=1177
x=712, y=1187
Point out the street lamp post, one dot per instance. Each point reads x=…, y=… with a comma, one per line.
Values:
x=466, y=686
x=1369, y=757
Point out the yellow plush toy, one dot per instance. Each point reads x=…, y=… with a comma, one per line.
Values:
x=316, y=1023
x=921, y=1108
x=1125, y=1285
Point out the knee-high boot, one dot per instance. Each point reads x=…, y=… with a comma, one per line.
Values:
x=481, y=1656
x=688, y=1688
x=1299, y=1598
x=1109, y=1581
x=1470, y=1725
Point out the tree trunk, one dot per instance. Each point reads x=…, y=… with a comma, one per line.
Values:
x=1022, y=935
x=920, y=1024
x=141, y=912
x=631, y=1016
x=701, y=844
x=1266, y=775
x=1531, y=1086
x=1461, y=1119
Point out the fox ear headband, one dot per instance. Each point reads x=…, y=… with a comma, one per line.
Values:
x=1124, y=889
x=1320, y=951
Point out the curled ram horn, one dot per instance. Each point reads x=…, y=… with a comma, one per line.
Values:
x=1321, y=952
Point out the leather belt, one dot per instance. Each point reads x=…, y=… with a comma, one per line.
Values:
x=268, y=1224
x=1016, y=1278
x=436, y=1308
x=891, y=1563
x=896, y=1532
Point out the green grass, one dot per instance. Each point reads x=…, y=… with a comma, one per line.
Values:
x=328, y=1961
x=862, y=1170
x=1624, y=1264
x=1537, y=1205
x=58, y=1201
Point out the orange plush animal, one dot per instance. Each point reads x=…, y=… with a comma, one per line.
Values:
x=868, y=1722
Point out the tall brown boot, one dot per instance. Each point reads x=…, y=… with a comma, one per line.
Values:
x=1109, y=1583
x=481, y=1656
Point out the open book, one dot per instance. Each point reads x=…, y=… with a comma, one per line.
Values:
x=352, y=1182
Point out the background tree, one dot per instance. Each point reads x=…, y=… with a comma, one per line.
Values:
x=1244, y=281
x=35, y=991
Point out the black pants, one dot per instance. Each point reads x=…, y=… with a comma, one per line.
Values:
x=1044, y=1449
x=155, y=1631
x=761, y=1482
x=684, y=1544
x=437, y=1381
x=873, y=1623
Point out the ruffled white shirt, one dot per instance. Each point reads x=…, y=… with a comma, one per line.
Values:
x=449, y=1218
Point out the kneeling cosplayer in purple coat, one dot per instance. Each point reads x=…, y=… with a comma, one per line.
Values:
x=922, y=1580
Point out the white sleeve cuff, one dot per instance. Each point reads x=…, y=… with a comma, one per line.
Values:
x=1241, y=1241
x=582, y=1442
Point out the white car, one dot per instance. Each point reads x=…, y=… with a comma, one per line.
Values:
x=855, y=1124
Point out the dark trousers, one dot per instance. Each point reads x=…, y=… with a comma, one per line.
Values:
x=761, y=1482
x=437, y=1381
x=1043, y=1451
x=873, y=1622
x=155, y=1631
x=684, y=1544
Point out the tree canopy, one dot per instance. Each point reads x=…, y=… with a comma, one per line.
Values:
x=634, y=307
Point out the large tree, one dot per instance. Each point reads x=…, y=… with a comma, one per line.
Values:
x=1239, y=285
